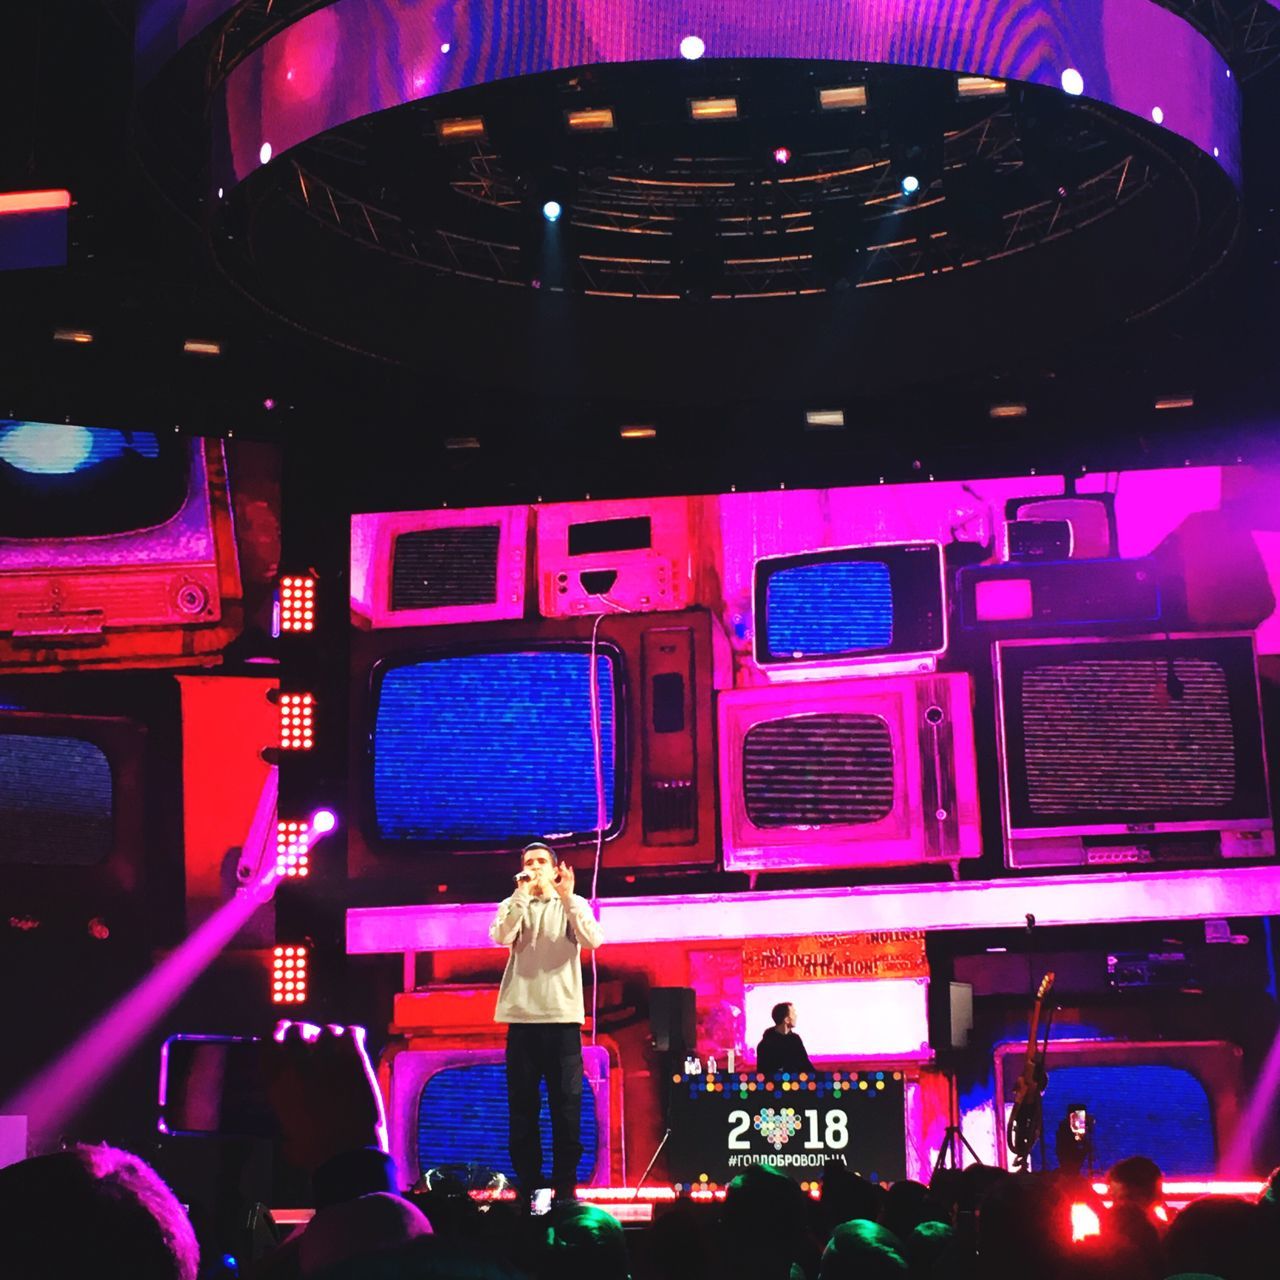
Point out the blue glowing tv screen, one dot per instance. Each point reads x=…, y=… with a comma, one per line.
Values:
x=850, y=603
x=494, y=748
x=462, y=1119
x=56, y=801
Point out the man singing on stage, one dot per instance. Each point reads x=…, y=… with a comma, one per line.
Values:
x=545, y=926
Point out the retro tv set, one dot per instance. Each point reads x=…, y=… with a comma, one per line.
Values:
x=634, y=555
x=849, y=609
x=850, y=773
x=476, y=741
x=74, y=832
x=1177, y=1101
x=447, y=1109
x=428, y=568
x=1144, y=751
x=116, y=547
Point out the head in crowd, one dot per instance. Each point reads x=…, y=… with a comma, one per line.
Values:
x=1136, y=1181
x=846, y=1196
x=1221, y=1236
x=863, y=1251
x=759, y=1196
x=784, y=1016
x=584, y=1243
x=926, y=1244
x=75, y=1212
x=906, y=1206
x=1024, y=1228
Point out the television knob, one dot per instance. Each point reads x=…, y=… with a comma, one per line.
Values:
x=192, y=598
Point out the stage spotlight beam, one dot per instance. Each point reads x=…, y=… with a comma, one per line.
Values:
x=61, y=1090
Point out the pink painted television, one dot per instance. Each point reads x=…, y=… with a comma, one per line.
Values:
x=1143, y=750
x=873, y=772
x=635, y=555
x=116, y=547
x=428, y=568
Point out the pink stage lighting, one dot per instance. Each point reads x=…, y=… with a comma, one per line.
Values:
x=297, y=712
x=289, y=975
x=297, y=604
x=782, y=155
x=293, y=848
x=323, y=821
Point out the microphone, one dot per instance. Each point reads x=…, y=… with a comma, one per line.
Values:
x=523, y=877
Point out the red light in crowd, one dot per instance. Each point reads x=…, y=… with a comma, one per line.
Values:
x=297, y=604
x=296, y=721
x=293, y=845
x=289, y=975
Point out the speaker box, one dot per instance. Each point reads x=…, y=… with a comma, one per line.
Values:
x=672, y=1019
x=950, y=1015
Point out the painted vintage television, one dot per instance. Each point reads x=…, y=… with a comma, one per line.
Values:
x=428, y=568
x=1178, y=1102
x=849, y=773
x=1144, y=750
x=116, y=547
x=635, y=555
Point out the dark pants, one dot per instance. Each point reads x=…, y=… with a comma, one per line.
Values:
x=550, y=1051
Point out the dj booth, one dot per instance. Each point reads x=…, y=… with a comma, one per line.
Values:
x=723, y=1124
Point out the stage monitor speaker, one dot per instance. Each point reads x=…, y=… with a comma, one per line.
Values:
x=672, y=1019
x=950, y=1015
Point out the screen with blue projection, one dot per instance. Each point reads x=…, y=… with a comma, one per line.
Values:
x=495, y=748
x=850, y=603
x=60, y=480
x=56, y=801
x=462, y=1119
x=1157, y=1111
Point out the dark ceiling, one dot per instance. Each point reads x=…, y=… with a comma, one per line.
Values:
x=537, y=389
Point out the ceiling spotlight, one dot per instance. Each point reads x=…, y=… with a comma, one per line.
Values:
x=595, y=118
x=264, y=153
x=202, y=347
x=459, y=129
x=1011, y=410
x=692, y=47
x=910, y=185
x=552, y=211
x=713, y=108
x=637, y=433
x=82, y=336
x=1175, y=402
x=1157, y=114
x=823, y=419
x=1072, y=82
x=782, y=155
x=978, y=87
x=842, y=97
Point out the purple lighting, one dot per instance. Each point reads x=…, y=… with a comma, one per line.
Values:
x=51, y=1099
x=375, y=51
x=323, y=821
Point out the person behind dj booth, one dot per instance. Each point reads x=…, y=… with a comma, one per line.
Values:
x=780, y=1049
x=545, y=926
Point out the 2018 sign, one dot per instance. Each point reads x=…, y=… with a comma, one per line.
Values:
x=721, y=1125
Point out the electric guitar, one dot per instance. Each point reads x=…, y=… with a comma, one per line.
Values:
x=1026, y=1119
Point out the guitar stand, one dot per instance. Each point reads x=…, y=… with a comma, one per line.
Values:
x=953, y=1140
